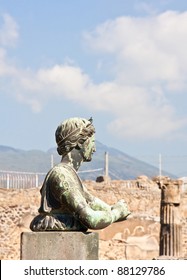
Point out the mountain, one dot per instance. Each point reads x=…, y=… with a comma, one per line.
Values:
x=121, y=165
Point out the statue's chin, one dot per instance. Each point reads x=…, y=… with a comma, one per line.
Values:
x=87, y=159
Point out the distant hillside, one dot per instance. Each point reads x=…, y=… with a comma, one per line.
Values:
x=121, y=165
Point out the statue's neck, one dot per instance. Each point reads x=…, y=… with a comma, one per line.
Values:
x=73, y=159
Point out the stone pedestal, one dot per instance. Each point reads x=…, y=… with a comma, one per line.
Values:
x=59, y=245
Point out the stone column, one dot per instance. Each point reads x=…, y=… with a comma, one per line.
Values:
x=170, y=231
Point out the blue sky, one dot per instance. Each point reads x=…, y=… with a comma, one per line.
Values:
x=122, y=62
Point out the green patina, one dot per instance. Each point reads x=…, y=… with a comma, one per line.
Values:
x=65, y=203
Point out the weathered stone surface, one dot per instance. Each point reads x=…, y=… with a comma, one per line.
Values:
x=19, y=206
x=59, y=246
x=170, y=218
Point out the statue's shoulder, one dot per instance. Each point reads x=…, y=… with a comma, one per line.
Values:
x=61, y=167
x=62, y=172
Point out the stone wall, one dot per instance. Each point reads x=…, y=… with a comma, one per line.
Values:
x=136, y=238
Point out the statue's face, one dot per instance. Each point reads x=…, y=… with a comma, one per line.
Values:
x=88, y=148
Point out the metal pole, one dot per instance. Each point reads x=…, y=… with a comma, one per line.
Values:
x=106, y=164
x=160, y=166
x=36, y=180
x=7, y=181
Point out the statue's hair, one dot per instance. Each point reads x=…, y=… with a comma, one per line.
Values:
x=73, y=132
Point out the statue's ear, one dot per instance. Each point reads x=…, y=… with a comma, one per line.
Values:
x=80, y=144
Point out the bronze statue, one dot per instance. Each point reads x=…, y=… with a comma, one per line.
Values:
x=66, y=204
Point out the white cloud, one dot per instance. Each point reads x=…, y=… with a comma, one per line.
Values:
x=8, y=38
x=64, y=79
x=8, y=31
x=149, y=59
x=149, y=65
x=145, y=49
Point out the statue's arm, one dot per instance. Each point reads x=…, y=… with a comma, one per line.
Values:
x=98, y=219
x=92, y=217
x=97, y=204
x=94, y=202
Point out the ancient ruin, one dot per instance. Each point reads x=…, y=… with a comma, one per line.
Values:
x=157, y=227
x=137, y=238
x=170, y=218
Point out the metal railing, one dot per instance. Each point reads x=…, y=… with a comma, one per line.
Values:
x=20, y=180
x=25, y=180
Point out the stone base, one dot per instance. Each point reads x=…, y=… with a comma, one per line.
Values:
x=169, y=258
x=59, y=245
